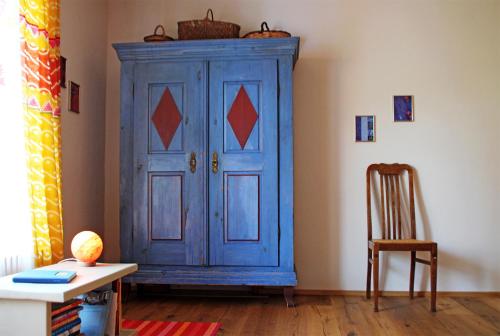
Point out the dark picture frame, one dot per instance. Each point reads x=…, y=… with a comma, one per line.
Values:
x=62, y=72
x=404, y=108
x=74, y=97
x=365, y=128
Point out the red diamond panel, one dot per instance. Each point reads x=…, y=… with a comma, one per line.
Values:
x=166, y=118
x=242, y=117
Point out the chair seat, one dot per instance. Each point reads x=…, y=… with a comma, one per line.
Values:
x=402, y=244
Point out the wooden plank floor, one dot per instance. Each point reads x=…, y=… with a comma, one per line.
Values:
x=325, y=315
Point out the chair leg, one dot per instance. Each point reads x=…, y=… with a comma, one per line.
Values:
x=375, y=278
x=434, y=253
x=412, y=272
x=369, y=275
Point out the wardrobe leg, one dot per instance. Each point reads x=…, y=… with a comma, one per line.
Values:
x=140, y=289
x=288, y=294
x=126, y=289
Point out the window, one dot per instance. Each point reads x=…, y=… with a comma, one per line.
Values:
x=16, y=243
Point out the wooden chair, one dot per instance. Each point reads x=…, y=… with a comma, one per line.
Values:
x=393, y=239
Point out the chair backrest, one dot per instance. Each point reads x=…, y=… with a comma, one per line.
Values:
x=391, y=198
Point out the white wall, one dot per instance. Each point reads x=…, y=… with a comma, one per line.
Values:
x=83, y=43
x=354, y=56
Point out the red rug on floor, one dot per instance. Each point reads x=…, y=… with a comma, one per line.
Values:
x=166, y=328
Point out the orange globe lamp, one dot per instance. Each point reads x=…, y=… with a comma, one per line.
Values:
x=86, y=247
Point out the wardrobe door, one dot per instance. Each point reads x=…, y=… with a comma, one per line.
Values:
x=170, y=168
x=243, y=181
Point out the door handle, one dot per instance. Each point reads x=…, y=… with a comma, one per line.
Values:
x=215, y=163
x=192, y=162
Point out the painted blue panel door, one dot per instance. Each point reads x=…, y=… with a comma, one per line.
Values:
x=243, y=197
x=169, y=128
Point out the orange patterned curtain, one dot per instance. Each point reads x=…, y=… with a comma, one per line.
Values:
x=40, y=33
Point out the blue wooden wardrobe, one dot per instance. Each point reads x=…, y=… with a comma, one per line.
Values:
x=207, y=161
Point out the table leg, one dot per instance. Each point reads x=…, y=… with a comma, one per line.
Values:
x=117, y=288
x=25, y=317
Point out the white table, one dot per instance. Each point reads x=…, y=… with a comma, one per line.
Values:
x=25, y=309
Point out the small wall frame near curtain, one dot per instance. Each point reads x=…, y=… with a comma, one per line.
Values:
x=40, y=31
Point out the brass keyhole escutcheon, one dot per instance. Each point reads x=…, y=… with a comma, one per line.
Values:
x=215, y=163
x=192, y=162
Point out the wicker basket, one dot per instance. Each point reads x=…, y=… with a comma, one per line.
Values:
x=207, y=29
x=157, y=37
x=266, y=33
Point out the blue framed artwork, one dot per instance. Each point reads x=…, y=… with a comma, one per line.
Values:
x=365, y=128
x=403, y=108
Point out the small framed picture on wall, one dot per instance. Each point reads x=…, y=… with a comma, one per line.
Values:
x=403, y=108
x=74, y=97
x=62, y=81
x=365, y=128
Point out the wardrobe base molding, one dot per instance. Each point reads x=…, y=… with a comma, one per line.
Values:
x=210, y=277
